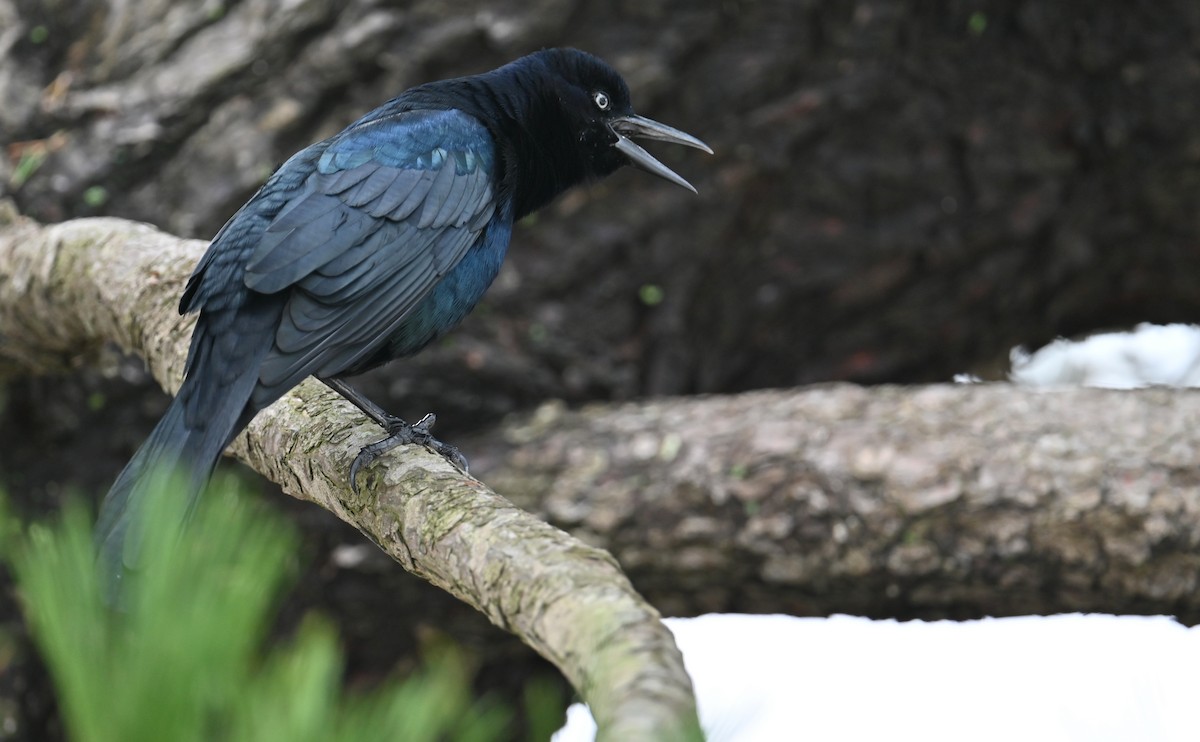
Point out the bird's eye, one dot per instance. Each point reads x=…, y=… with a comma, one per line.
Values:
x=601, y=99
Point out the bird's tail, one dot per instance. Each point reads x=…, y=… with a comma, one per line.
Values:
x=174, y=456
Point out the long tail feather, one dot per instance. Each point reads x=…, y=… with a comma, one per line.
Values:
x=174, y=456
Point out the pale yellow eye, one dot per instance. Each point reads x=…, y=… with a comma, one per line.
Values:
x=601, y=99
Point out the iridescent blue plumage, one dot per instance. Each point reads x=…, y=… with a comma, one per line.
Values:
x=371, y=244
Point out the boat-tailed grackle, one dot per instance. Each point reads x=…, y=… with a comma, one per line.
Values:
x=371, y=244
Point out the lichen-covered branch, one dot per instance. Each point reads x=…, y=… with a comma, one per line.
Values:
x=67, y=289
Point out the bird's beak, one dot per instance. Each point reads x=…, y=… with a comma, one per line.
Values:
x=640, y=126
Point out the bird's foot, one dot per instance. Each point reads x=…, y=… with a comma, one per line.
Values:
x=401, y=433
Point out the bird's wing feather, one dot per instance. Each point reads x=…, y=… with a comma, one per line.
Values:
x=392, y=207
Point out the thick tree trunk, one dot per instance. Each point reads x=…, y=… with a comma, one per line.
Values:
x=890, y=178
x=82, y=283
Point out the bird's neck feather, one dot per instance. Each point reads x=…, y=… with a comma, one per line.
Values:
x=538, y=156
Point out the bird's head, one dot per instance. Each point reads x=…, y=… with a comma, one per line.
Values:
x=595, y=102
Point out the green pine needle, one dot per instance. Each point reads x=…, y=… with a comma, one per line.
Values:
x=183, y=660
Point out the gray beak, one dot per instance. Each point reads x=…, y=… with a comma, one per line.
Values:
x=642, y=127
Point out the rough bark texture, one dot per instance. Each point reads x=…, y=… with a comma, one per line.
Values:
x=85, y=282
x=902, y=501
x=891, y=177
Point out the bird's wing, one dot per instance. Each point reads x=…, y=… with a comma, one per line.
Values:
x=393, y=206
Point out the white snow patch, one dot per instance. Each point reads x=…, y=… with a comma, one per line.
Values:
x=1093, y=678
x=1150, y=355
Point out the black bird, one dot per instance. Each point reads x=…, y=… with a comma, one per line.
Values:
x=371, y=244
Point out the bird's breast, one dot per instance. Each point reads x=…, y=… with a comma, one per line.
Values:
x=456, y=293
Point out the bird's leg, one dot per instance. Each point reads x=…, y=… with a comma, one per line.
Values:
x=400, y=433
x=386, y=420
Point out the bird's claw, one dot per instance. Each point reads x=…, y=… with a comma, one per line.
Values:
x=422, y=435
x=401, y=433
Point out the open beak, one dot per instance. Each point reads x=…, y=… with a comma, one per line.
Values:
x=640, y=126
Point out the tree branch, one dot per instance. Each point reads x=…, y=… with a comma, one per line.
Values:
x=67, y=289
x=934, y=501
